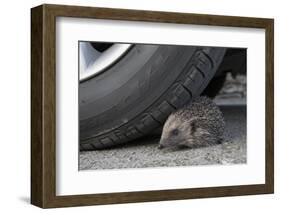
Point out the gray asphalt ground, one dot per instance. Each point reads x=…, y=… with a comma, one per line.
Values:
x=144, y=152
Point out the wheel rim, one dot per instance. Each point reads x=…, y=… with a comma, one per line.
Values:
x=93, y=61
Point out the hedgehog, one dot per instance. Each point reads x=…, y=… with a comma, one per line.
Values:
x=197, y=124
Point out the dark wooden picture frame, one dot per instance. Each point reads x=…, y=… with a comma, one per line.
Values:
x=43, y=106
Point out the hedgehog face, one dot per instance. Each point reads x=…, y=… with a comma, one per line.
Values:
x=178, y=133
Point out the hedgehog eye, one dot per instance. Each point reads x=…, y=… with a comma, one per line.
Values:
x=175, y=132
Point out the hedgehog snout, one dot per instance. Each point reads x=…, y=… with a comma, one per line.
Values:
x=160, y=146
x=163, y=143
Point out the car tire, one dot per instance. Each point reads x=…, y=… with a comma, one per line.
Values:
x=137, y=94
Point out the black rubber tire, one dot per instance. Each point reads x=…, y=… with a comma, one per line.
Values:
x=137, y=94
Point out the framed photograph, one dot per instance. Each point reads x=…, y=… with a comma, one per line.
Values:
x=136, y=106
